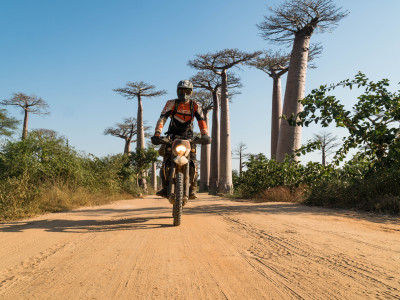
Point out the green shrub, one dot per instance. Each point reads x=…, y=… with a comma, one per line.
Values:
x=42, y=173
x=360, y=184
x=263, y=174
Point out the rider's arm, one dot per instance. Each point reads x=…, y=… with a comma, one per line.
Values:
x=164, y=116
x=198, y=113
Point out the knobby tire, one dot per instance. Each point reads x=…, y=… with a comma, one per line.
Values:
x=177, y=208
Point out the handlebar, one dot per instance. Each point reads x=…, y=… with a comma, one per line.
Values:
x=159, y=140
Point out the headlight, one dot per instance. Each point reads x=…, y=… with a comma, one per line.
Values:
x=181, y=150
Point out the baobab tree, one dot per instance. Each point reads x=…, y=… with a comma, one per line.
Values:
x=205, y=100
x=219, y=63
x=7, y=124
x=126, y=131
x=327, y=143
x=275, y=65
x=29, y=104
x=239, y=153
x=294, y=22
x=210, y=81
x=139, y=90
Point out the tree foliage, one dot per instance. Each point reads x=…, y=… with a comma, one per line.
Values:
x=204, y=99
x=42, y=173
x=299, y=17
x=221, y=60
x=271, y=63
x=141, y=160
x=7, y=124
x=32, y=103
x=263, y=174
x=372, y=124
x=29, y=104
x=139, y=89
x=210, y=81
x=126, y=131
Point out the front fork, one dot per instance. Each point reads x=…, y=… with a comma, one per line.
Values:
x=172, y=176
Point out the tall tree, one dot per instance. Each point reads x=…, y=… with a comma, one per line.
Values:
x=205, y=101
x=327, y=143
x=126, y=131
x=139, y=90
x=7, y=124
x=29, y=104
x=294, y=22
x=275, y=65
x=219, y=63
x=239, y=153
x=209, y=81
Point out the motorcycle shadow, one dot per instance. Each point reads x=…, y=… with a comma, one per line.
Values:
x=82, y=226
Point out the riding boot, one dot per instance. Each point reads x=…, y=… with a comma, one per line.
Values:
x=193, y=190
x=193, y=178
x=164, y=191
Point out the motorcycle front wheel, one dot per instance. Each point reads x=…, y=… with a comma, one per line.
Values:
x=177, y=208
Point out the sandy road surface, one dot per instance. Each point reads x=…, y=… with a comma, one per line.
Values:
x=223, y=250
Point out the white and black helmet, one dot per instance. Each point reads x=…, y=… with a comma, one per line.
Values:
x=184, y=90
x=185, y=84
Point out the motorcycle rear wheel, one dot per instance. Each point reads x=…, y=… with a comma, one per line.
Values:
x=177, y=207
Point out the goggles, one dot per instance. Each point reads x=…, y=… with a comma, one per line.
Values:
x=185, y=91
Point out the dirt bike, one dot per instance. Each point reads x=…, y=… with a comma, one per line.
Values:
x=177, y=168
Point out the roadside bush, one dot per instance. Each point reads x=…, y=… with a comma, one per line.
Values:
x=263, y=174
x=43, y=158
x=43, y=174
x=361, y=185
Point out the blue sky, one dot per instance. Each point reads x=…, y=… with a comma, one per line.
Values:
x=74, y=53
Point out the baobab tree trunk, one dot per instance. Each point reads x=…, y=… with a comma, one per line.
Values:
x=140, y=141
x=240, y=165
x=25, y=126
x=276, y=113
x=154, y=176
x=205, y=162
x=225, y=176
x=290, y=136
x=140, y=130
x=214, y=157
x=127, y=148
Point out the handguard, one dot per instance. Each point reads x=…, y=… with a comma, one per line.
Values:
x=204, y=140
x=158, y=140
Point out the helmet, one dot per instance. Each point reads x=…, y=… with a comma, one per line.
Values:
x=184, y=90
x=185, y=84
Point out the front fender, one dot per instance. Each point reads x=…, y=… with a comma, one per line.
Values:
x=180, y=160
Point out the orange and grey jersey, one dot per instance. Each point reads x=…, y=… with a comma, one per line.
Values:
x=181, y=117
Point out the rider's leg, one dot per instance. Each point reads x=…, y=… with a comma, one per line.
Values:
x=193, y=176
x=164, y=180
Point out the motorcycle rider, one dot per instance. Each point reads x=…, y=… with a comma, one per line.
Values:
x=182, y=112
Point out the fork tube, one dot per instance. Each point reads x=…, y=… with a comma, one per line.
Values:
x=187, y=179
x=171, y=184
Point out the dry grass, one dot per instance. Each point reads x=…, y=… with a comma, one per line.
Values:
x=281, y=194
x=24, y=201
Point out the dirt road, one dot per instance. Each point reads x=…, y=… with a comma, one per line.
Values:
x=223, y=250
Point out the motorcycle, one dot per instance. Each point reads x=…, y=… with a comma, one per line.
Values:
x=177, y=170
